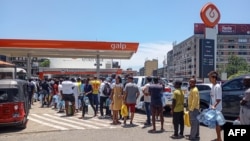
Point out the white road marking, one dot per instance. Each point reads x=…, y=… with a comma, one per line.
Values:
x=57, y=122
x=47, y=124
x=80, y=122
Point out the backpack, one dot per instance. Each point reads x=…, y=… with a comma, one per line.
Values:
x=106, y=90
x=31, y=87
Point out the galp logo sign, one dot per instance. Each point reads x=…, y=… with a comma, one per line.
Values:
x=210, y=15
x=118, y=46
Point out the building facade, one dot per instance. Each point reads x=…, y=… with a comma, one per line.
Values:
x=185, y=59
x=150, y=66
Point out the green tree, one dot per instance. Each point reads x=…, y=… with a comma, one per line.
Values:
x=236, y=64
x=238, y=74
x=45, y=63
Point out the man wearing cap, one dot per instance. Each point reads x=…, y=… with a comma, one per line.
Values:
x=245, y=103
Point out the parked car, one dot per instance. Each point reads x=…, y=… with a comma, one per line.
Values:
x=204, y=91
x=232, y=92
x=141, y=81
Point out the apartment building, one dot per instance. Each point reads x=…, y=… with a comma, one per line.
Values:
x=186, y=59
x=150, y=66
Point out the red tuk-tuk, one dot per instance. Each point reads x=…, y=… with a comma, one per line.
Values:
x=14, y=106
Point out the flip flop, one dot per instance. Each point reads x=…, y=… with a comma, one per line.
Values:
x=113, y=123
x=152, y=131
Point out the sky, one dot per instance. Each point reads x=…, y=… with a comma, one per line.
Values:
x=154, y=24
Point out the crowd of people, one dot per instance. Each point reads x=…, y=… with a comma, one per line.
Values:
x=111, y=93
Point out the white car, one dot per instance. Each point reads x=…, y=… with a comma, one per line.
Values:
x=140, y=81
x=167, y=102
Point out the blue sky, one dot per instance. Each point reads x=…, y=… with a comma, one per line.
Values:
x=155, y=24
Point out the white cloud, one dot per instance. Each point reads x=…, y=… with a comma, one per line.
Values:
x=147, y=51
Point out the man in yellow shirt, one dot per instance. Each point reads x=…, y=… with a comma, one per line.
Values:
x=178, y=111
x=193, y=107
x=96, y=86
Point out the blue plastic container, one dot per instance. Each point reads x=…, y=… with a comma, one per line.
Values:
x=220, y=118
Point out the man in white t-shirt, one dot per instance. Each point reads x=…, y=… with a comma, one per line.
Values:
x=60, y=101
x=68, y=94
x=216, y=98
x=103, y=98
x=147, y=100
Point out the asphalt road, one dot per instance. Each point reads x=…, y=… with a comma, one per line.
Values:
x=45, y=124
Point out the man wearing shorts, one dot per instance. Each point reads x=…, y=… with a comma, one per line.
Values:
x=68, y=94
x=216, y=98
x=156, y=105
x=131, y=92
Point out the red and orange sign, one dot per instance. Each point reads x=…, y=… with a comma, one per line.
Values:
x=210, y=15
x=62, y=44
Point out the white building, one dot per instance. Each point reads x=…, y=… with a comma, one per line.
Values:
x=86, y=63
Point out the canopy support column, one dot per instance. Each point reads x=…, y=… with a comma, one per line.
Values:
x=98, y=65
x=28, y=66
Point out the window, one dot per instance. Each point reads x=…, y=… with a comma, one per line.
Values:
x=8, y=95
x=234, y=85
x=203, y=87
x=136, y=80
x=242, y=47
x=242, y=40
x=242, y=53
x=221, y=46
x=3, y=96
x=220, y=53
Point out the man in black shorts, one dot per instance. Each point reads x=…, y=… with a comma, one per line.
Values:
x=155, y=91
x=68, y=96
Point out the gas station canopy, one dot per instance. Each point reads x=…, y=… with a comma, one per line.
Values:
x=67, y=49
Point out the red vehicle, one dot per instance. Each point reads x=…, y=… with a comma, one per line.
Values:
x=14, y=107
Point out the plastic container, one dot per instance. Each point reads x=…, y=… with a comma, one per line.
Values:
x=86, y=100
x=220, y=118
x=210, y=115
x=236, y=122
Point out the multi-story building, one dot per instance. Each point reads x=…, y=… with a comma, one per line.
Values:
x=142, y=71
x=60, y=63
x=150, y=66
x=187, y=58
x=159, y=72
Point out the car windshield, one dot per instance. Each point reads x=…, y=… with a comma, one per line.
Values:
x=203, y=87
x=236, y=84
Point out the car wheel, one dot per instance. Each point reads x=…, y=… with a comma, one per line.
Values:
x=24, y=124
